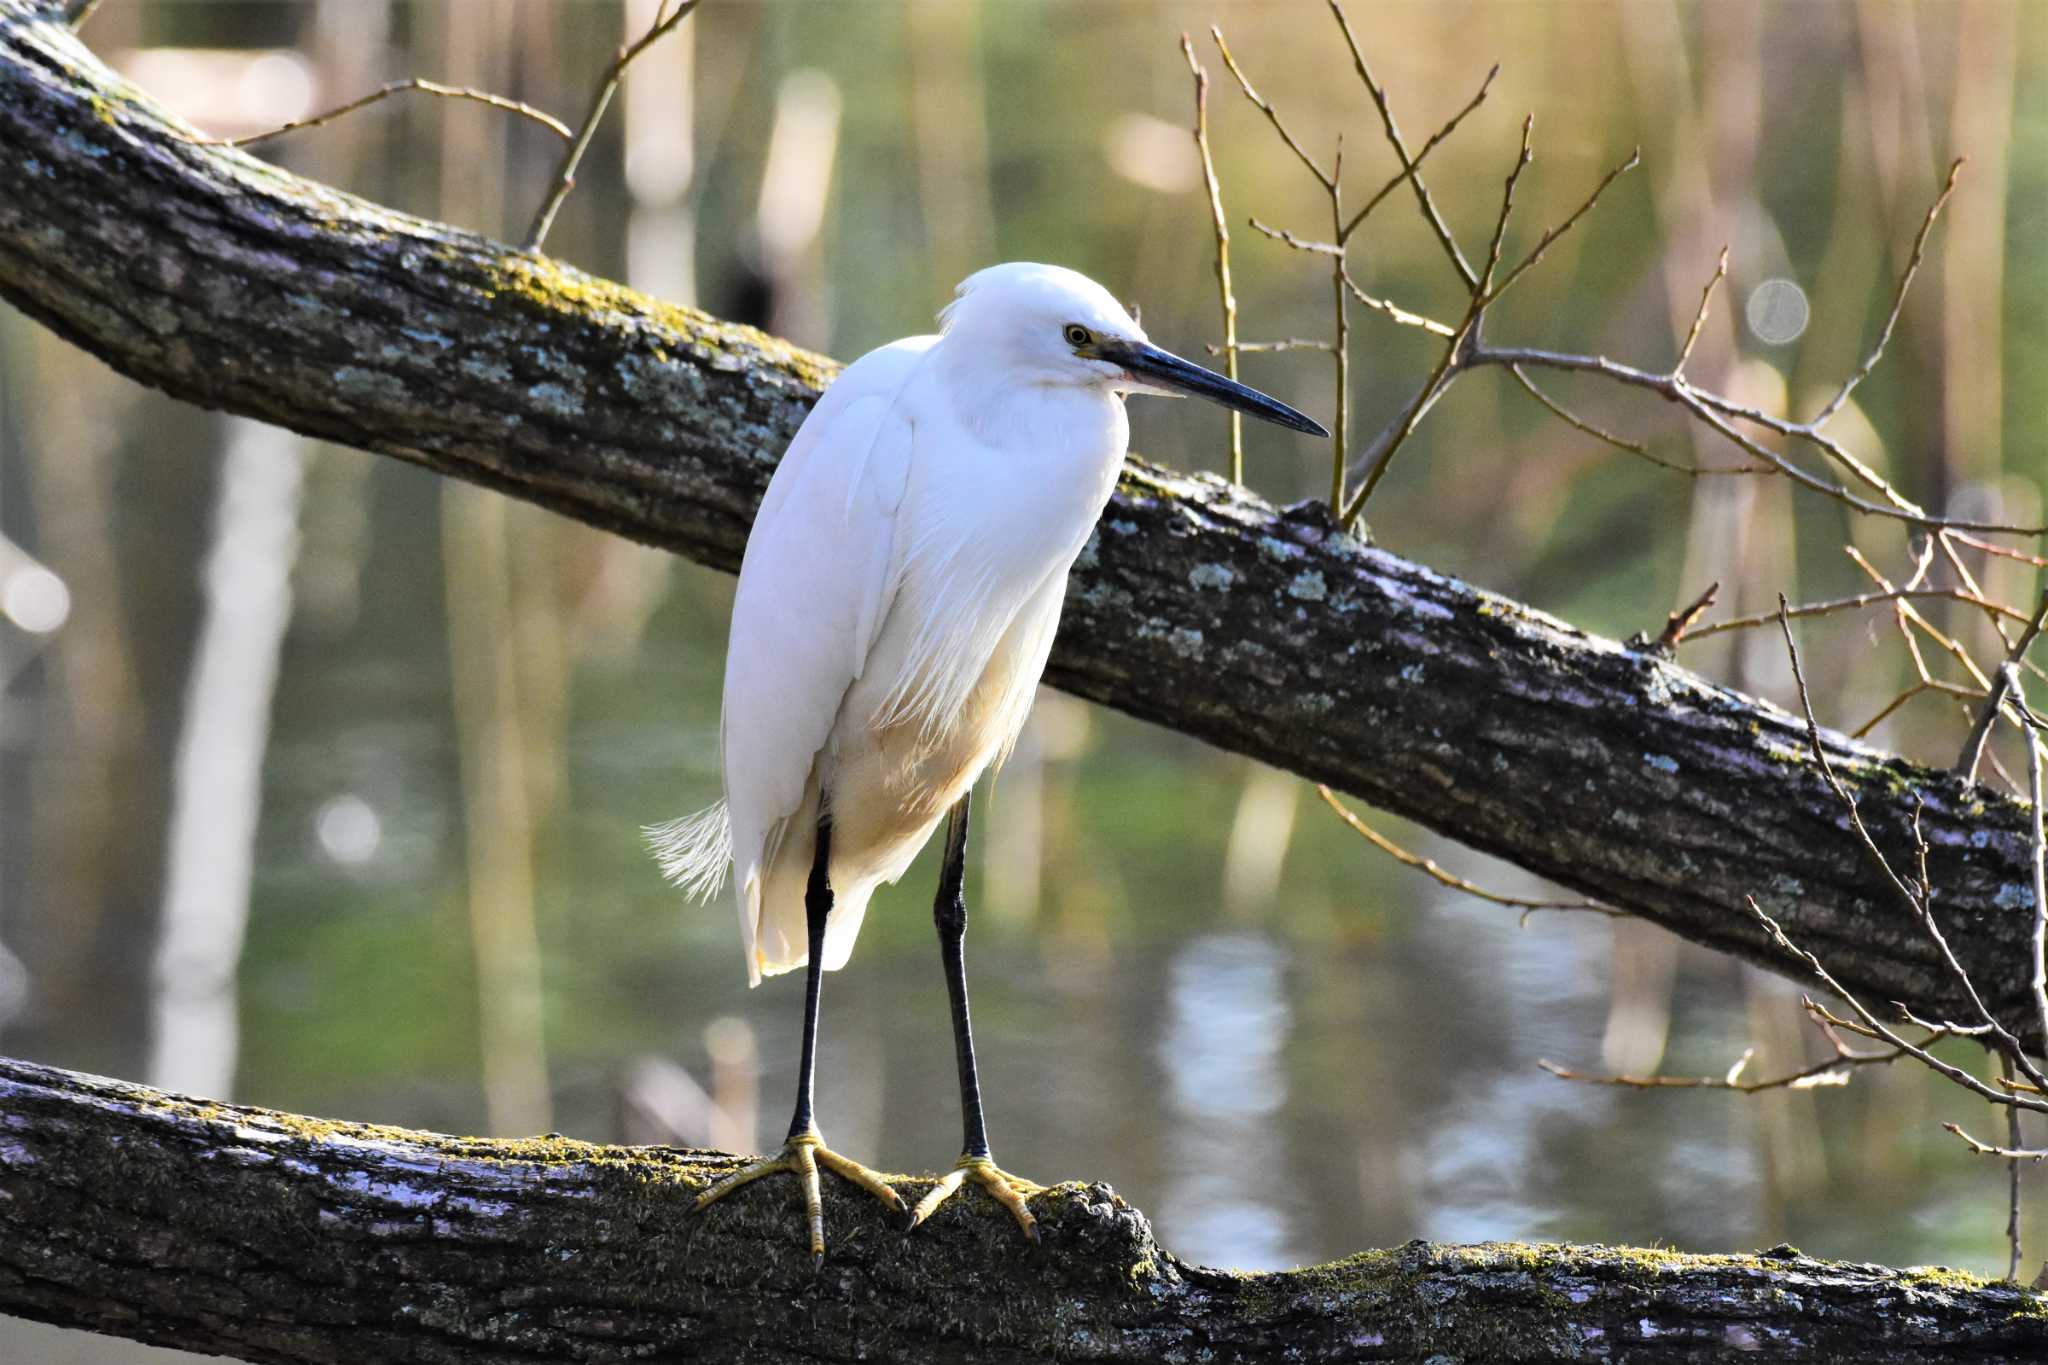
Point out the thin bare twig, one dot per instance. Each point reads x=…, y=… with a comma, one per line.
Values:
x=1891, y=321
x=1709, y=409
x=1909, y=619
x=1681, y=621
x=1828, y=1073
x=1944, y=1028
x=1811, y=430
x=1408, y=172
x=1323, y=177
x=1332, y=183
x=2038, y=838
x=1636, y=448
x=1397, y=312
x=1550, y=235
x=1298, y=242
x=1290, y=344
x=1920, y=688
x=1875, y=1028
x=1408, y=163
x=1464, y=349
x=1340, y=350
x=1380, y=454
x=2008, y=676
x=1945, y=541
x=1431, y=868
x=1720, y=413
x=424, y=87
x=1832, y=1072
x=1815, y=437
x=1915, y=902
x=1699, y=318
x=1864, y=599
x=1507, y=206
x=2004, y=551
x=2013, y=1139
x=1457, y=352
x=1909, y=616
x=664, y=23
x=2012, y=1153
x=1225, y=295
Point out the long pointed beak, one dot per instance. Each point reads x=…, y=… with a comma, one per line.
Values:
x=1149, y=363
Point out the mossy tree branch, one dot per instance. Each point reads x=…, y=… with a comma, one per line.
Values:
x=272, y=1237
x=232, y=284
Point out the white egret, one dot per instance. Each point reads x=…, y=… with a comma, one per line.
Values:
x=896, y=605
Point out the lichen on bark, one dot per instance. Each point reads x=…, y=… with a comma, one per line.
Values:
x=276, y=1237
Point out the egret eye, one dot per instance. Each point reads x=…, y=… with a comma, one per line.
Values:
x=1077, y=335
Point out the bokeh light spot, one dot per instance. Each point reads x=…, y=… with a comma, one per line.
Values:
x=1777, y=311
x=35, y=599
x=349, y=829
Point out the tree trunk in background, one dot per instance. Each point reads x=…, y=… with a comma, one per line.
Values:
x=217, y=785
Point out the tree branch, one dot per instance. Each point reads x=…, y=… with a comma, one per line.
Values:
x=273, y=1237
x=226, y=282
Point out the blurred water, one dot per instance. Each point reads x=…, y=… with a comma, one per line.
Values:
x=1347, y=1062
x=1220, y=1046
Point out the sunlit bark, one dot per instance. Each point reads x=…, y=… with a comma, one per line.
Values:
x=272, y=1237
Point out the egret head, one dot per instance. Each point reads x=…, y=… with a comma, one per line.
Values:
x=1049, y=325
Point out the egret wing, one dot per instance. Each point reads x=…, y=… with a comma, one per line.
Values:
x=815, y=587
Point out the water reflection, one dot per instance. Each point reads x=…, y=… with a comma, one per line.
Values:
x=1221, y=1048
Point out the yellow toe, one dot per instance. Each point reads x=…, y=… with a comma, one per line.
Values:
x=801, y=1157
x=1011, y=1191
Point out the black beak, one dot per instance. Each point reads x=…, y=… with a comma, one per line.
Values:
x=1168, y=370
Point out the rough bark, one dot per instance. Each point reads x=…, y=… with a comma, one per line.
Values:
x=229, y=283
x=273, y=1237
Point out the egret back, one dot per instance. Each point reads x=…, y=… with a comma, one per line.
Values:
x=812, y=586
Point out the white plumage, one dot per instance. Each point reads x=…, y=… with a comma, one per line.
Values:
x=898, y=597
x=896, y=605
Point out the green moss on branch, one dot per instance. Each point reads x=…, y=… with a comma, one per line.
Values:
x=276, y=1237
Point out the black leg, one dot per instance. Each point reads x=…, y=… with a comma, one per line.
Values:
x=949, y=914
x=817, y=906
x=804, y=1151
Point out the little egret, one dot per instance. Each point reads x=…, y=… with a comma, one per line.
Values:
x=896, y=605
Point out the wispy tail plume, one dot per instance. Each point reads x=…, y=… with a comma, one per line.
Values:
x=695, y=851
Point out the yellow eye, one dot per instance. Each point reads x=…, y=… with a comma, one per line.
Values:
x=1077, y=335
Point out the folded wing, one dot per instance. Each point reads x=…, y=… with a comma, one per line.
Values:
x=815, y=587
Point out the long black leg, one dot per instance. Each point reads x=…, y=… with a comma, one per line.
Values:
x=817, y=907
x=949, y=914
x=804, y=1151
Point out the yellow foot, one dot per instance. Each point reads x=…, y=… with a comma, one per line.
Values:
x=801, y=1156
x=1009, y=1190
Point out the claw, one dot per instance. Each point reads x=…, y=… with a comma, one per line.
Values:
x=1011, y=1191
x=801, y=1157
